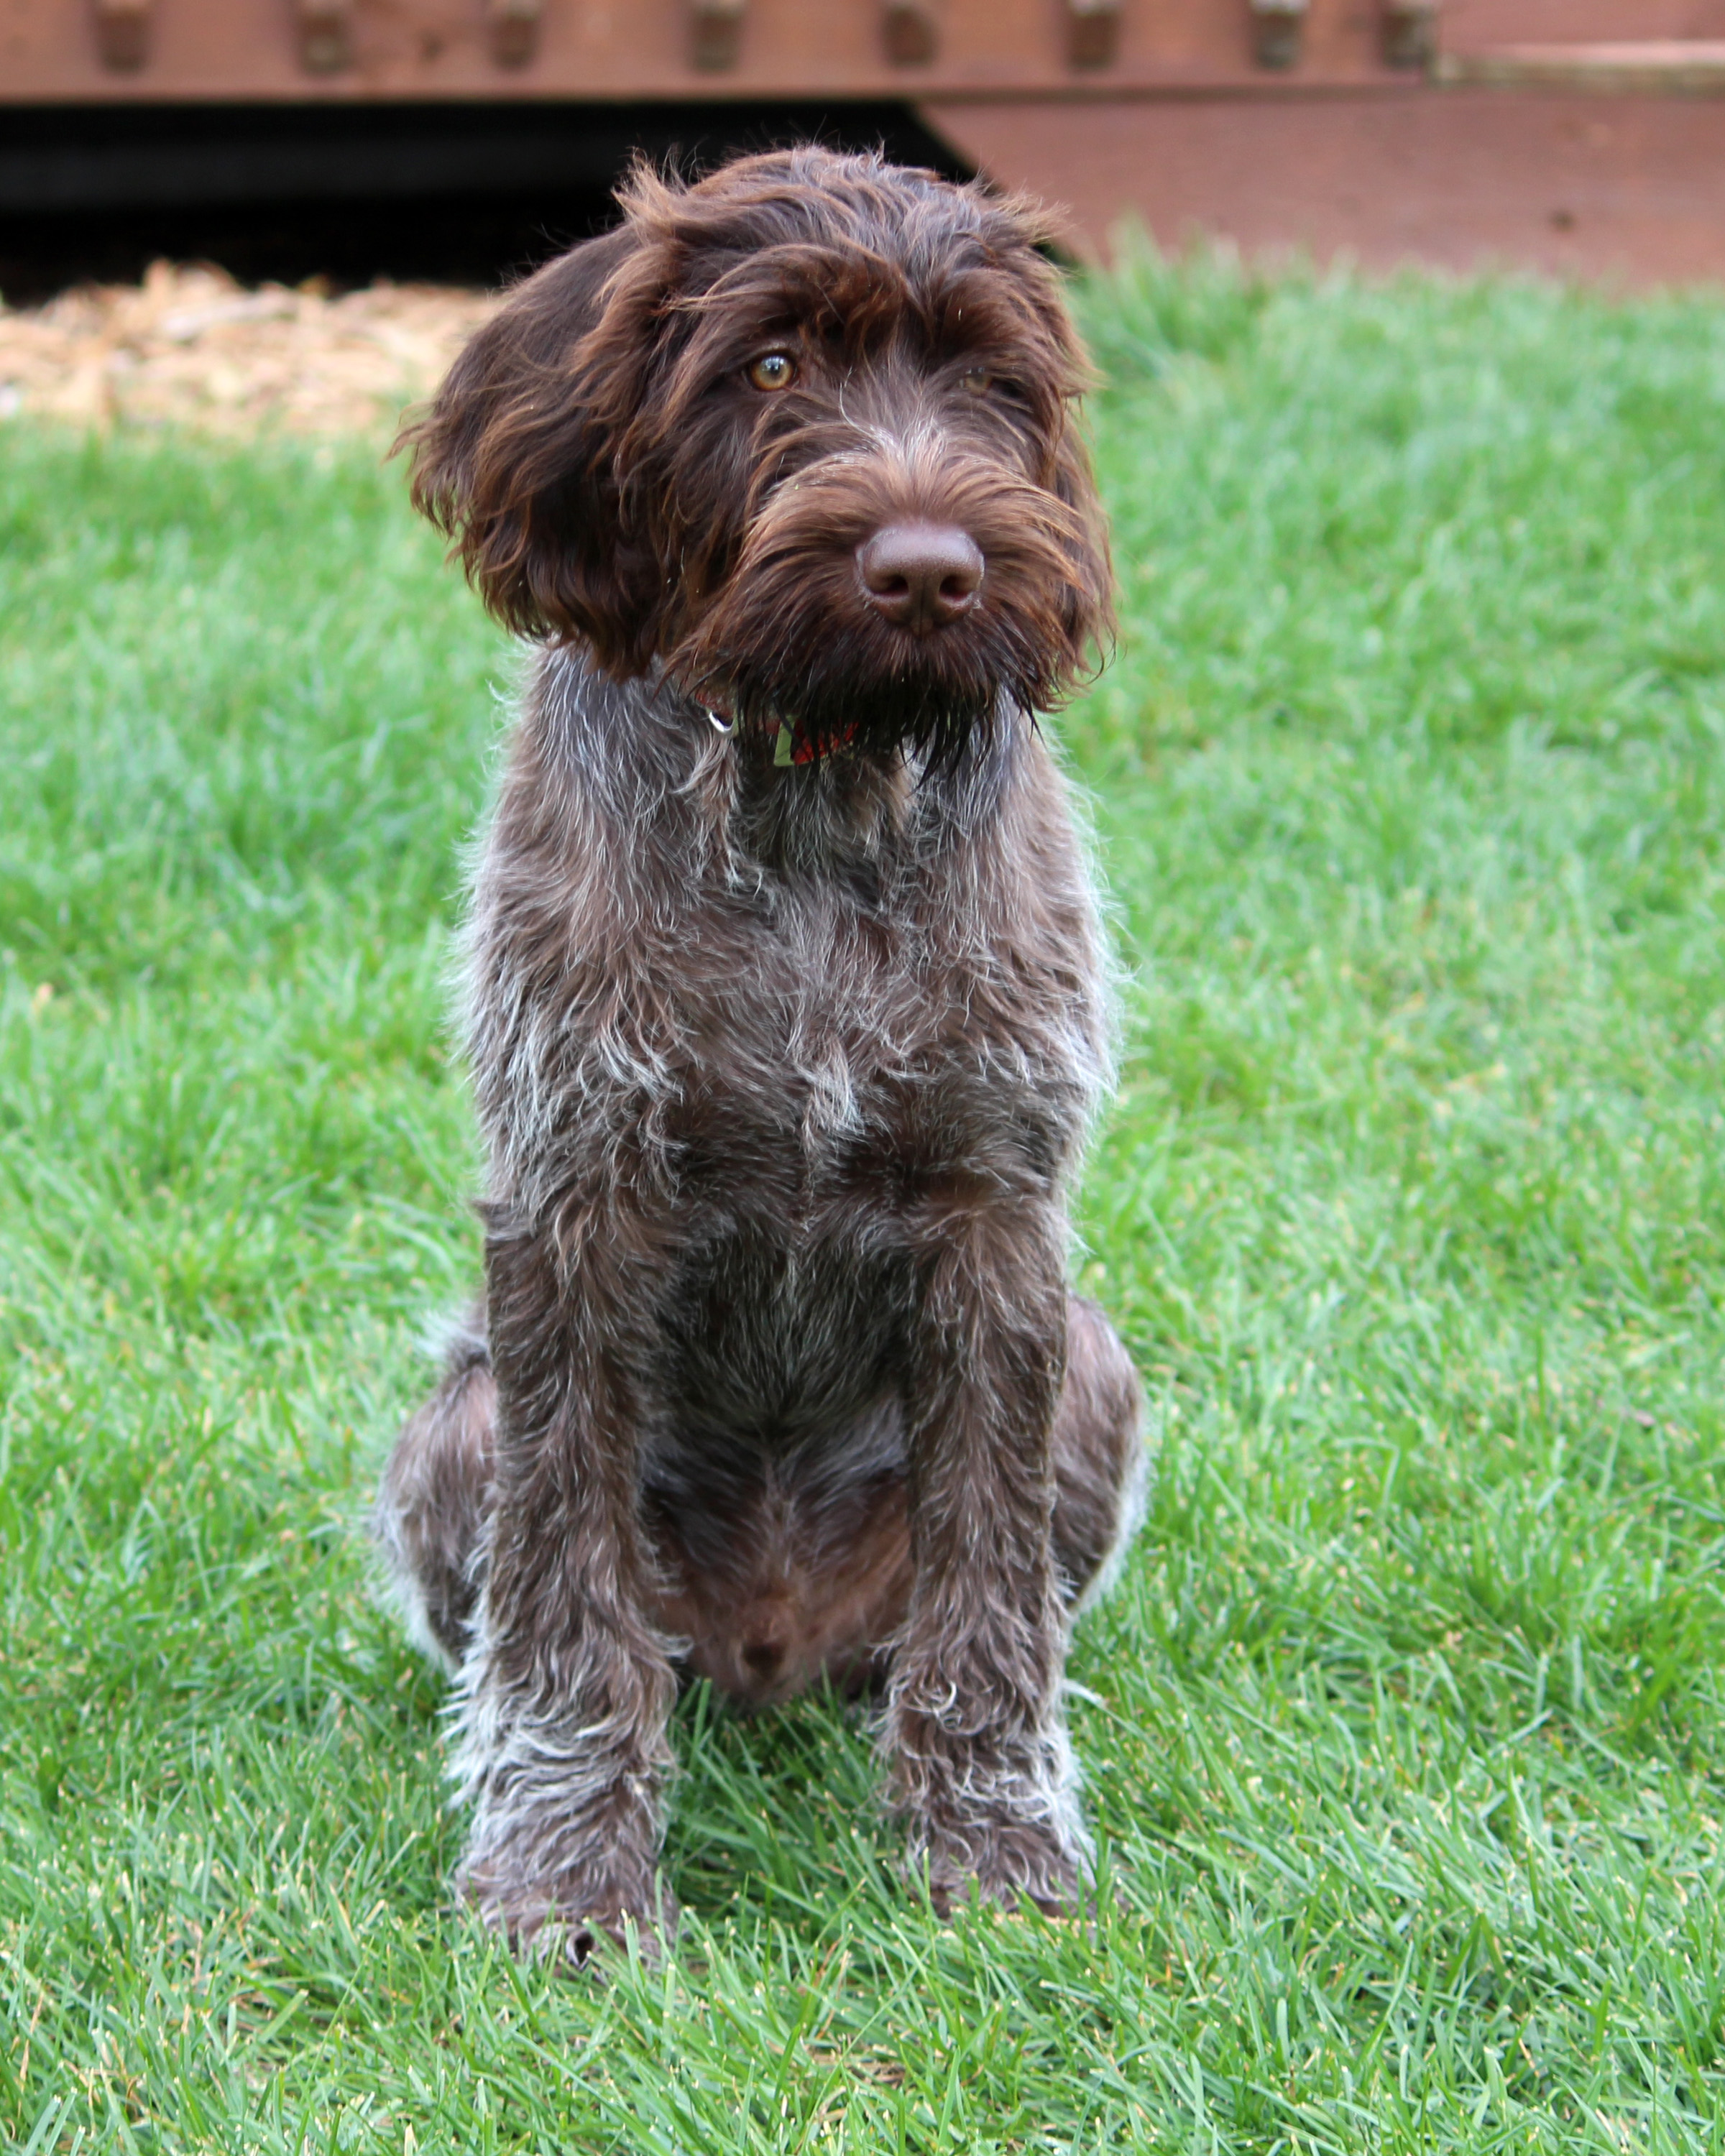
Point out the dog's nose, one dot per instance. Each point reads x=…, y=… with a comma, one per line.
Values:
x=922, y=576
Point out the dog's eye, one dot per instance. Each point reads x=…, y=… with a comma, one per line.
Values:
x=773, y=370
x=977, y=380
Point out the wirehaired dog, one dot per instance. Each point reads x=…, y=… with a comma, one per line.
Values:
x=785, y=1021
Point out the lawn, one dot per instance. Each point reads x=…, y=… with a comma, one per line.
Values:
x=1403, y=1734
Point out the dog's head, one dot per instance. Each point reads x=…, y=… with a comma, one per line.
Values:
x=804, y=433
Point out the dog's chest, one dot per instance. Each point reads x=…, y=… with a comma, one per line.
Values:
x=794, y=1145
x=663, y=1018
x=825, y=1075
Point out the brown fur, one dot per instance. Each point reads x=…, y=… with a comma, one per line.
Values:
x=782, y=1068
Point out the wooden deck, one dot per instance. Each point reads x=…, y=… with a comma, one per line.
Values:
x=1585, y=137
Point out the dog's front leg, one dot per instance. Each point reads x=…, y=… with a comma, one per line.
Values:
x=566, y=1687
x=978, y=1756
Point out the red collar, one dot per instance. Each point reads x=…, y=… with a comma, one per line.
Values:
x=791, y=745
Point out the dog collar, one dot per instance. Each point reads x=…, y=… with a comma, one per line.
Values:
x=791, y=746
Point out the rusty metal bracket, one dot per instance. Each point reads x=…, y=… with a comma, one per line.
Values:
x=911, y=32
x=1278, y=33
x=514, y=27
x=325, y=35
x=1410, y=33
x=122, y=34
x=1092, y=33
x=716, y=33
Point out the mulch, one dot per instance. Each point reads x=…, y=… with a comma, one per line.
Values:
x=189, y=347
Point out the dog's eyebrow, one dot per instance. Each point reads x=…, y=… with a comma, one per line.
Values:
x=806, y=277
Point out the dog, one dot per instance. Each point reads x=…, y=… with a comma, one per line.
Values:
x=786, y=1016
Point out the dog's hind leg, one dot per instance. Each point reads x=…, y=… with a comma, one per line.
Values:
x=430, y=1514
x=1101, y=1463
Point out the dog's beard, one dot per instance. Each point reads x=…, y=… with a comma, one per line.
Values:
x=790, y=639
x=842, y=682
x=832, y=706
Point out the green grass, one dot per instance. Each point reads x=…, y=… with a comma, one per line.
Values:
x=1403, y=1734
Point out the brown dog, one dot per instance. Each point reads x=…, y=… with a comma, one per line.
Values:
x=785, y=1022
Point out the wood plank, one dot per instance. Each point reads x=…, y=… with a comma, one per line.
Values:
x=1681, y=66
x=1628, y=189
x=653, y=49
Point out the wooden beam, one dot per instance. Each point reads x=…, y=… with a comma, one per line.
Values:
x=716, y=34
x=325, y=35
x=1278, y=33
x=122, y=32
x=910, y=32
x=1695, y=66
x=514, y=25
x=1092, y=33
x=1410, y=33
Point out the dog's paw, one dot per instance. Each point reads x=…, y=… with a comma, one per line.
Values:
x=1004, y=1862
x=574, y=1918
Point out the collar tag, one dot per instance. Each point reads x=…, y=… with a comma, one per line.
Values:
x=782, y=756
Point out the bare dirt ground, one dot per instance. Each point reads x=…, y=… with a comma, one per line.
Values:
x=190, y=348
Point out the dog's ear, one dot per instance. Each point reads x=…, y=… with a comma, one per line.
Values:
x=1029, y=240
x=516, y=459
x=1090, y=612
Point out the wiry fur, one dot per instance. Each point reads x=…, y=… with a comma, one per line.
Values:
x=782, y=1072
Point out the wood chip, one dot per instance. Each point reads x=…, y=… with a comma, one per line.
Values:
x=189, y=347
